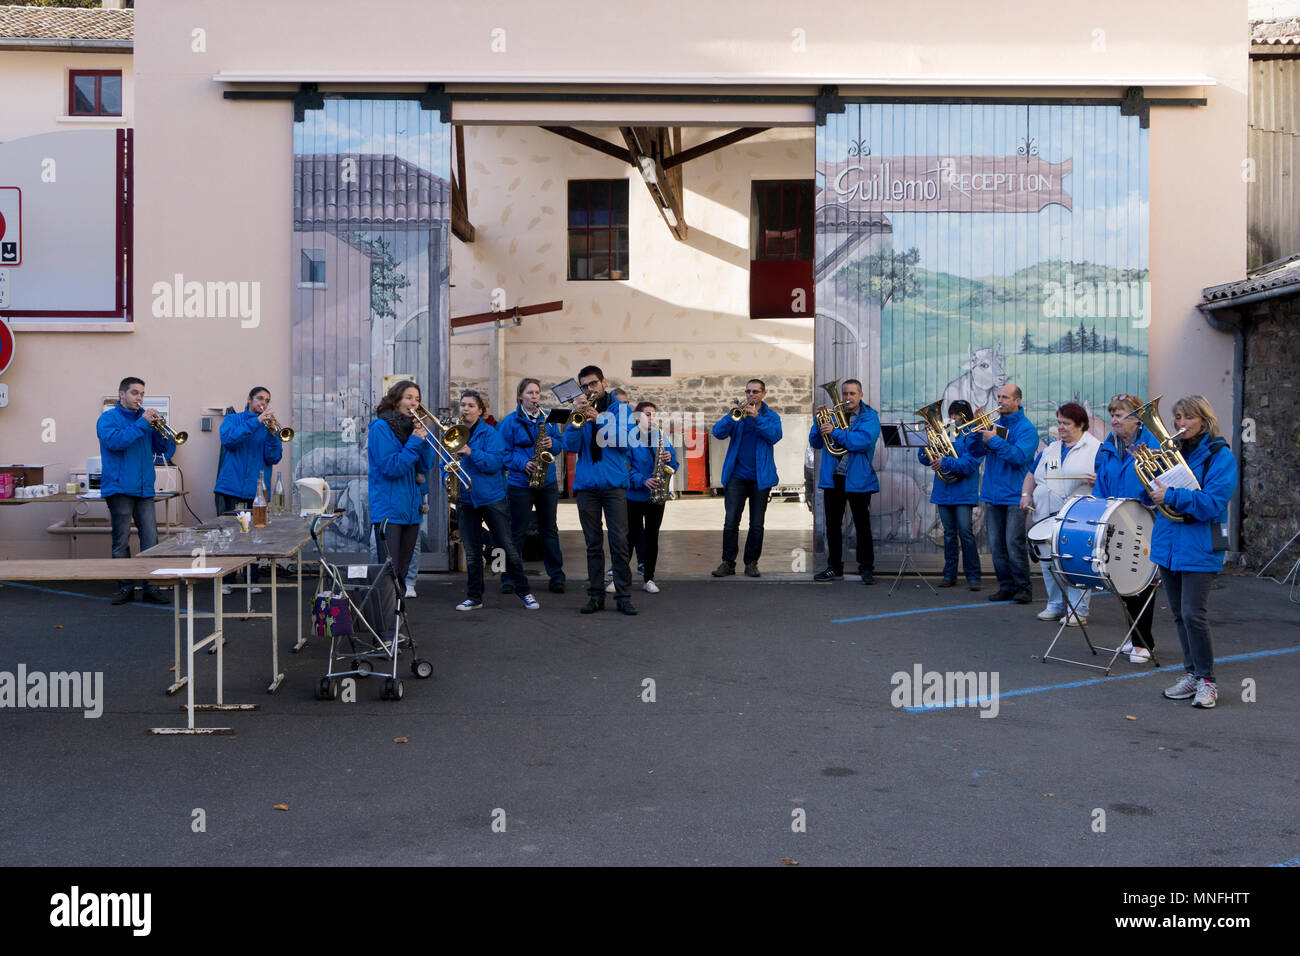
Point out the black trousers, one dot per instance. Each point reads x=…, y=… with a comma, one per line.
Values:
x=1132, y=604
x=643, y=521
x=401, y=543
x=612, y=504
x=859, y=502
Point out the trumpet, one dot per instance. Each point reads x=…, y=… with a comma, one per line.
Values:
x=160, y=425
x=739, y=412
x=982, y=422
x=451, y=439
x=284, y=432
x=579, y=418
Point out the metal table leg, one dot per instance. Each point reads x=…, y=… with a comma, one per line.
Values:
x=276, y=675
x=302, y=636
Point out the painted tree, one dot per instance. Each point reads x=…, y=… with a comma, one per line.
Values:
x=889, y=276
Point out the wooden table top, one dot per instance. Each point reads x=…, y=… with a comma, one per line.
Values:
x=113, y=569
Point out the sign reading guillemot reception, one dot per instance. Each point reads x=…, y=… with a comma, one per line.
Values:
x=943, y=184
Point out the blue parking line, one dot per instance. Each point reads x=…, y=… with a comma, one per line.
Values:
x=976, y=701
x=88, y=597
x=926, y=610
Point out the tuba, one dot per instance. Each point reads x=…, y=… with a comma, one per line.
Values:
x=936, y=433
x=1151, y=463
x=833, y=414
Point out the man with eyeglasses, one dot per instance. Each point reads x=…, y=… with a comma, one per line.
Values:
x=748, y=475
x=600, y=482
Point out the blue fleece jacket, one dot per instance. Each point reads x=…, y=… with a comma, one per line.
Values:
x=394, y=493
x=248, y=447
x=1116, y=477
x=766, y=426
x=644, y=450
x=520, y=437
x=485, y=465
x=614, y=428
x=1188, y=545
x=860, y=440
x=127, y=445
x=966, y=490
x=1007, y=460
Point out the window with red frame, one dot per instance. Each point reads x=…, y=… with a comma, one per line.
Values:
x=598, y=229
x=781, y=249
x=94, y=92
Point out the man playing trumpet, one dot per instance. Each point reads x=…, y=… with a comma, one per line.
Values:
x=748, y=475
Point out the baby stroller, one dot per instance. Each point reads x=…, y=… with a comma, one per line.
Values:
x=360, y=609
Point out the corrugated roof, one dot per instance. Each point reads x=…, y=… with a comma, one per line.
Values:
x=1274, y=275
x=1284, y=31
x=381, y=190
x=66, y=23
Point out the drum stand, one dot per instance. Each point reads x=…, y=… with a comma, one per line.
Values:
x=1070, y=610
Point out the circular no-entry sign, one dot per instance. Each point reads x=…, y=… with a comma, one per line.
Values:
x=6, y=345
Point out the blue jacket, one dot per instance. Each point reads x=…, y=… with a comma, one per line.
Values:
x=860, y=440
x=1116, y=476
x=127, y=444
x=768, y=424
x=394, y=493
x=248, y=448
x=520, y=436
x=1187, y=545
x=485, y=465
x=1007, y=460
x=966, y=491
x=615, y=427
x=644, y=449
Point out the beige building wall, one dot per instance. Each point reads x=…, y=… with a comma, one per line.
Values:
x=214, y=177
x=36, y=91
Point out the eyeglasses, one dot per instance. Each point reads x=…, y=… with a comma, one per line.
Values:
x=753, y=391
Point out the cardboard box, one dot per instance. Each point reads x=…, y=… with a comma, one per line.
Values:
x=25, y=474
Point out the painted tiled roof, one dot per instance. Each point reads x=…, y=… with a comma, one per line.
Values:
x=381, y=189
x=1280, y=32
x=66, y=23
x=1273, y=275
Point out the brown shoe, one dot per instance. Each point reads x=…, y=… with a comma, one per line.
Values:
x=724, y=569
x=751, y=570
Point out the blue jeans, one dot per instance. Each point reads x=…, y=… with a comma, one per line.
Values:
x=957, y=531
x=1189, y=602
x=545, y=499
x=1007, y=545
x=497, y=518
x=122, y=509
x=737, y=493
x=1080, y=599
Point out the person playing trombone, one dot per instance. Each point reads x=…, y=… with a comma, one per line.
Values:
x=400, y=458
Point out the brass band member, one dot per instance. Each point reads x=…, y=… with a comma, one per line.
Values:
x=956, y=500
x=524, y=432
x=644, y=516
x=1005, y=466
x=848, y=479
x=1185, y=550
x=128, y=441
x=400, y=456
x=748, y=475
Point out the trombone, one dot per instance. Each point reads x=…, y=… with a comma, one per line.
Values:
x=284, y=432
x=160, y=425
x=451, y=439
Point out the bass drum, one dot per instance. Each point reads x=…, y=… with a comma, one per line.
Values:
x=1104, y=543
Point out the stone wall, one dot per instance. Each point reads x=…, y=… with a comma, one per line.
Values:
x=1271, y=463
x=710, y=395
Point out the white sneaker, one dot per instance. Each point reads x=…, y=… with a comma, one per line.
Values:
x=609, y=588
x=1140, y=655
x=650, y=587
x=468, y=605
x=1126, y=647
x=1075, y=620
x=410, y=591
x=530, y=602
x=1047, y=614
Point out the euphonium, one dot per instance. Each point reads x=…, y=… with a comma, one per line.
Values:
x=833, y=414
x=936, y=434
x=284, y=432
x=541, y=458
x=1151, y=463
x=160, y=425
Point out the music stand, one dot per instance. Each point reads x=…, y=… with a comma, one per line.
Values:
x=1292, y=576
x=909, y=435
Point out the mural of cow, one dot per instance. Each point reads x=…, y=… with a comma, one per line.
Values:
x=983, y=373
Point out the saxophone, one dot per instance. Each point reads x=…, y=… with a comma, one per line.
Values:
x=663, y=473
x=542, y=459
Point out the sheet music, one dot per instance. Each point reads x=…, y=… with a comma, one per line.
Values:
x=1180, y=476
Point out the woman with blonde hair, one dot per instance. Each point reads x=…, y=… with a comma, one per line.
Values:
x=1189, y=552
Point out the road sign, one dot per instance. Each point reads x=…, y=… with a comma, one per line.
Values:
x=11, y=226
x=6, y=345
